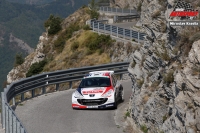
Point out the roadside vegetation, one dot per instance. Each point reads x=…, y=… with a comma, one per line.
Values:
x=19, y=59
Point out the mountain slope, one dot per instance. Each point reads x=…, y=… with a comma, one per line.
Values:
x=25, y=22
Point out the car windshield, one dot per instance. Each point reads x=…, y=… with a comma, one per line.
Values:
x=95, y=82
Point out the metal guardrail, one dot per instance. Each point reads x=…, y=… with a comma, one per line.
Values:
x=117, y=10
x=9, y=120
x=117, y=31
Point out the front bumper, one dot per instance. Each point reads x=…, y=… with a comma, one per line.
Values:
x=79, y=106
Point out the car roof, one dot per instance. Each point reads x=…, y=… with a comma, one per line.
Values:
x=99, y=74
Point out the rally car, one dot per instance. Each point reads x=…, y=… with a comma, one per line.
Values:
x=98, y=89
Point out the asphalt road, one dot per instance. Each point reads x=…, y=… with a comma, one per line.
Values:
x=52, y=113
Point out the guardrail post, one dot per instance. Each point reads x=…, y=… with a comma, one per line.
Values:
x=43, y=90
x=10, y=121
x=120, y=76
x=3, y=118
x=18, y=127
x=107, y=9
x=13, y=101
x=122, y=10
x=70, y=85
x=93, y=26
x=22, y=97
x=131, y=35
x=22, y=129
x=7, y=120
x=104, y=28
x=117, y=32
x=33, y=93
x=57, y=87
x=98, y=27
x=14, y=124
x=138, y=37
x=111, y=30
x=124, y=33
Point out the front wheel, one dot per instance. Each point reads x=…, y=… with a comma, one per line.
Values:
x=122, y=94
x=115, y=104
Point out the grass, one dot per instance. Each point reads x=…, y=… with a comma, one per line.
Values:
x=144, y=128
x=165, y=118
x=140, y=82
x=127, y=114
x=145, y=99
x=156, y=14
x=169, y=77
x=81, y=56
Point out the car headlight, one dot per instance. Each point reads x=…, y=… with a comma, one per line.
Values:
x=108, y=93
x=77, y=94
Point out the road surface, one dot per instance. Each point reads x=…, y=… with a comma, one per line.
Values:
x=52, y=113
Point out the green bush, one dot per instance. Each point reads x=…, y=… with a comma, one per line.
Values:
x=97, y=42
x=19, y=59
x=94, y=14
x=53, y=24
x=144, y=128
x=36, y=68
x=74, y=46
x=164, y=118
x=139, y=7
x=169, y=77
x=86, y=27
x=59, y=44
x=194, y=37
x=69, y=31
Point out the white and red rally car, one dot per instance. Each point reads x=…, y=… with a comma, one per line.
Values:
x=98, y=89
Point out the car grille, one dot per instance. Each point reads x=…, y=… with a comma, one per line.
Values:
x=92, y=102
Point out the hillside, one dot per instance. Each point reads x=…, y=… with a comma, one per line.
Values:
x=24, y=22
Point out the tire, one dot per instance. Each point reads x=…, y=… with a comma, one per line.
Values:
x=115, y=104
x=122, y=94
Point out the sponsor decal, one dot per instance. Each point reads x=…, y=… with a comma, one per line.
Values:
x=92, y=91
x=185, y=14
x=110, y=105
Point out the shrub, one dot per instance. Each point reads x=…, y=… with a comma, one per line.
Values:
x=53, y=24
x=169, y=77
x=98, y=42
x=36, y=68
x=86, y=27
x=94, y=14
x=194, y=37
x=59, y=44
x=156, y=14
x=140, y=82
x=139, y=7
x=18, y=59
x=133, y=64
x=127, y=114
x=164, y=118
x=74, y=46
x=144, y=128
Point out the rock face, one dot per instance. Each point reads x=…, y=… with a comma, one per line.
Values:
x=166, y=85
x=36, y=56
x=21, y=44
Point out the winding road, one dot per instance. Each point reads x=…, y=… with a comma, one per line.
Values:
x=52, y=113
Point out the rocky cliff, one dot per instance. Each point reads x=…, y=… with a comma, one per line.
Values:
x=164, y=71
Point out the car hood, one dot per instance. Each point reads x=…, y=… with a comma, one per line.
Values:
x=93, y=92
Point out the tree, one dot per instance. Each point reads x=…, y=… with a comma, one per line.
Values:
x=18, y=59
x=53, y=24
x=93, y=11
